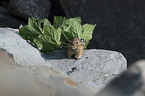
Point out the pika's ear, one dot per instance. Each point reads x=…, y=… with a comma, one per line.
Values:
x=75, y=37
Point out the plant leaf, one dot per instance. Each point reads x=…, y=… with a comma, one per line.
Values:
x=38, y=23
x=87, y=33
x=71, y=27
x=58, y=21
x=53, y=35
x=76, y=28
x=28, y=32
x=77, y=19
x=34, y=32
x=47, y=38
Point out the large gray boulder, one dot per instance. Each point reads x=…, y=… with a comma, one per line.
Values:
x=130, y=83
x=22, y=81
x=120, y=24
x=96, y=68
x=33, y=79
x=30, y=8
x=7, y=20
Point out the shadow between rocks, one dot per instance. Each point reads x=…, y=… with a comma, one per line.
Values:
x=56, y=55
x=124, y=85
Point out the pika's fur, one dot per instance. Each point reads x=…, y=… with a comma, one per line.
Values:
x=75, y=47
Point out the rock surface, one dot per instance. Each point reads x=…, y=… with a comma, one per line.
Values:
x=95, y=69
x=35, y=79
x=30, y=8
x=120, y=24
x=21, y=81
x=56, y=10
x=130, y=83
x=7, y=20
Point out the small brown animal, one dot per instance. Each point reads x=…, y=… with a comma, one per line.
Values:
x=75, y=48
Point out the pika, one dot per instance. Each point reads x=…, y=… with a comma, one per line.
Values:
x=75, y=48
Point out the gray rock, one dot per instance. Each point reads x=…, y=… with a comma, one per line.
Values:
x=22, y=52
x=120, y=24
x=30, y=8
x=20, y=81
x=32, y=79
x=130, y=83
x=6, y=20
x=13, y=44
x=95, y=69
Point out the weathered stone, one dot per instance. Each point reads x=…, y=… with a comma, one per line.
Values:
x=56, y=10
x=33, y=79
x=120, y=24
x=30, y=8
x=4, y=3
x=130, y=83
x=20, y=49
x=21, y=81
x=95, y=69
x=6, y=20
x=22, y=52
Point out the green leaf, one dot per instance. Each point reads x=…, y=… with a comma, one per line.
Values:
x=53, y=35
x=39, y=43
x=77, y=19
x=48, y=47
x=72, y=27
x=76, y=28
x=87, y=33
x=35, y=33
x=38, y=23
x=47, y=38
x=58, y=21
x=28, y=32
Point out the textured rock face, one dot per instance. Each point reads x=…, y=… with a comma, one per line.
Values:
x=30, y=8
x=95, y=69
x=20, y=49
x=56, y=10
x=28, y=78
x=6, y=20
x=130, y=83
x=120, y=24
x=21, y=81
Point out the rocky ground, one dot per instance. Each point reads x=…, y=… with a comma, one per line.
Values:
x=119, y=24
x=26, y=71
x=92, y=70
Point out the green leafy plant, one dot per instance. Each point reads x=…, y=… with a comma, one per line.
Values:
x=46, y=37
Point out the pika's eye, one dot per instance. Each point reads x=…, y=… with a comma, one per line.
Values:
x=77, y=42
x=82, y=40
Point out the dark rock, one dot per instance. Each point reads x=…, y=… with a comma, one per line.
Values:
x=7, y=20
x=120, y=24
x=56, y=10
x=130, y=83
x=30, y=8
x=4, y=3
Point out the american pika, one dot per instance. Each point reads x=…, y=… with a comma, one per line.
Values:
x=75, y=48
